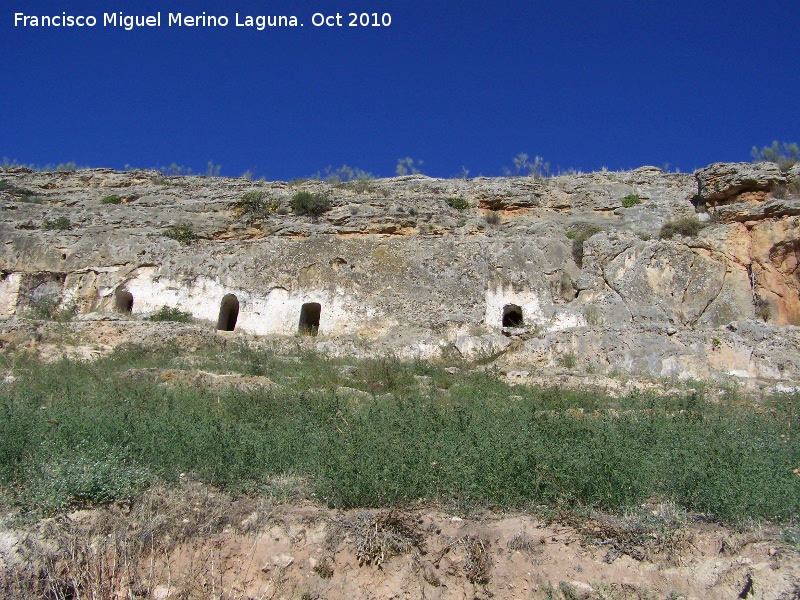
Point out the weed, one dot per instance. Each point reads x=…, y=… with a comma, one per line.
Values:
x=324, y=569
x=568, y=361
x=213, y=170
x=362, y=183
x=111, y=199
x=361, y=180
x=167, y=313
x=306, y=203
x=791, y=535
x=59, y=224
x=523, y=166
x=408, y=165
x=631, y=200
x=716, y=343
x=579, y=235
x=48, y=308
x=685, y=226
x=457, y=203
x=183, y=233
x=68, y=167
x=785, y=155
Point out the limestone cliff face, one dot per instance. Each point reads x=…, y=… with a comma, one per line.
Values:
x=537, y=269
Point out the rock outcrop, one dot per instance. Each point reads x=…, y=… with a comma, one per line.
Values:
x=720, y=182
x=567, y=270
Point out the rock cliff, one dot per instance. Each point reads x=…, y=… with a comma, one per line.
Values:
x=652, y=273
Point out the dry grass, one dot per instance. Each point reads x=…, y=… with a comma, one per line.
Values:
x=522, y=543
x=125, y=549
x=379, y=536
x=642, y=534
x=478, y=563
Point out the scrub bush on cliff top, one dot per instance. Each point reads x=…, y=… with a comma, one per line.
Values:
x=306, y=203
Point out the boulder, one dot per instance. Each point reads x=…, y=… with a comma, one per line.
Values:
x=793, y=174
x=720, y=182
x=742, y=212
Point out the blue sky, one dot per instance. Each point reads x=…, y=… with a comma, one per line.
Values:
x=458, y=85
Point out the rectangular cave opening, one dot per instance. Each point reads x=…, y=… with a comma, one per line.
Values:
x=309, y=318
x=512, y=316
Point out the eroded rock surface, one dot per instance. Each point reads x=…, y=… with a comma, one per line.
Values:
x=392, y=264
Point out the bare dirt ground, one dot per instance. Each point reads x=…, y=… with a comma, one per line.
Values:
x=195, y=542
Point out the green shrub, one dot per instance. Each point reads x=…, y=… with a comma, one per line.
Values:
x=685, y=226
x=631, y=200
x=61, y=224
x=568, y=361
x=183, y=233
x=457, y=203
x=306, y=203
x=167, y=313
x=256, y=205
x=111, y=199
x=579, y=235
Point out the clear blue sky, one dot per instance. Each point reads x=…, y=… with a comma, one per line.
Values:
x=460, y=84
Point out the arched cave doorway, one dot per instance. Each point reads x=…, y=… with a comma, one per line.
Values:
x=512, y=316
x=309, y=318
x=228, y=313
x=123, y=301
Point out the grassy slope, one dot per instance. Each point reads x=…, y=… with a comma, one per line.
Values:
x=78, y=433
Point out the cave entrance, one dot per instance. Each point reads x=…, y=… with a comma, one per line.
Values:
x=228, y=313
x=123, y=301
x=309, y=318
x=512, y=316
